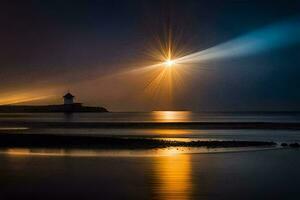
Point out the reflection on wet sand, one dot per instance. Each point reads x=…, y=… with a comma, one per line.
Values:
x=172, y=177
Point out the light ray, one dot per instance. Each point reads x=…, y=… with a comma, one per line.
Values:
x=271, y=37
x=22, y=98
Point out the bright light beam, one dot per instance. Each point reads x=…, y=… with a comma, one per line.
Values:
x=271, y=37
x=162, y=76
x=169, y=63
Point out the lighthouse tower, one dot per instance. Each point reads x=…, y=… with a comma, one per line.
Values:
x=68, y=99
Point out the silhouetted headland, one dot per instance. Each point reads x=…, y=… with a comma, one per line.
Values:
x=76, y=107
x=12, y=140
x=69, y=106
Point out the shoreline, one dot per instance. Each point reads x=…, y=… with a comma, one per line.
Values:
x=11, y=140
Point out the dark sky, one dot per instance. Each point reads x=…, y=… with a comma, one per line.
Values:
x=50, y=47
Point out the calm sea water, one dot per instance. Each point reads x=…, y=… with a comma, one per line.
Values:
x=172, y=173
x=271, y=174
x=157, y=116
x=161, y=116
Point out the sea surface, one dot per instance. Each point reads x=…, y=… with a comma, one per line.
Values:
x=171, y=173
x=156, y=116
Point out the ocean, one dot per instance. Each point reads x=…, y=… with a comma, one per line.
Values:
x=171, y=173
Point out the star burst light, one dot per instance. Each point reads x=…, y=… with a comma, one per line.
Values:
x=169, y=63
x=166, y=76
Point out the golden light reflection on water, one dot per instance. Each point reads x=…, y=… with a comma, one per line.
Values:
x=23, y=152
x=163, y=132
x=172, y=177
x=171, y=116
x=171, y=172
x=93, y=152
x=31, y=152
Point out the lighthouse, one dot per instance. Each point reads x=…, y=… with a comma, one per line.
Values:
x=68, y=99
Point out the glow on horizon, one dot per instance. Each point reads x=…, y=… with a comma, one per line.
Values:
x=45, y=94
x=22, y=98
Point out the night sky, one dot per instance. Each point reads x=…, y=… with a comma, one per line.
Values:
x=51, y=47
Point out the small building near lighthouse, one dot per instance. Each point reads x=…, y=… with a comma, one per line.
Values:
x=68, y=99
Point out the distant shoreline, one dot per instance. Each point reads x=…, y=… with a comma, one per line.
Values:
x=63, y=108
x=89, y=141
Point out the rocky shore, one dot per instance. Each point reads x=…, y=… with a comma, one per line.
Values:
x=90, y=141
